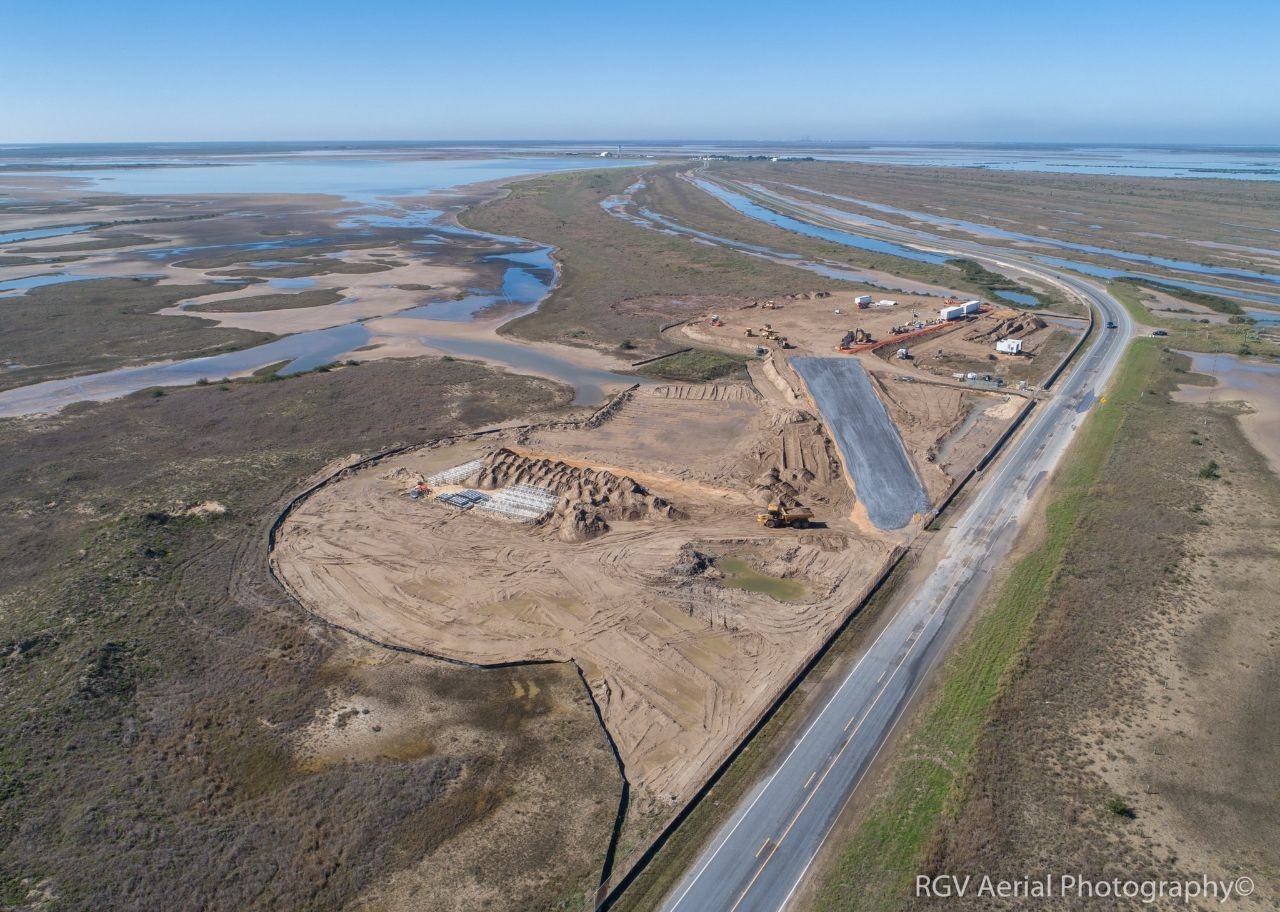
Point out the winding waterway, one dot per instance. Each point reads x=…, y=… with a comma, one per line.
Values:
x=373, y=187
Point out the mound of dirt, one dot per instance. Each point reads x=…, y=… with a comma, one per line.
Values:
x=403, y=474
x=1017, y=326
x=589, y=498
x=692, y=563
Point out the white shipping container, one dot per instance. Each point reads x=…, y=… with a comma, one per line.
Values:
x=952, y=313
x=1009, y=346
x=972, y=307
x=862, y=299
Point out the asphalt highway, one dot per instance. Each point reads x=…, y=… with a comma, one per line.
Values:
x=760, y=856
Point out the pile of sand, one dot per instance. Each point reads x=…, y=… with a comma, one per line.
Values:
x=589, y=498
x=1015, y=326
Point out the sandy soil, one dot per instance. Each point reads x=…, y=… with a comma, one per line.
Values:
x=945, y=426
x=1168, y=306
x=195, y=242
x=382, y=712
x=814, y=325
x=1202, y=684
x=945, y=429
x=679, y=664
x=1254, y=384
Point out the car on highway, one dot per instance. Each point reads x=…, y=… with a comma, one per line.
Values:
x=1111, y=324
x=1160, y=332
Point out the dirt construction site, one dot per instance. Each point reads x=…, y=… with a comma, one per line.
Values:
x=632, y=543
x=818, y=322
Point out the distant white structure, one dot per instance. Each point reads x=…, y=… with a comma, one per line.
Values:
x=863, y=300
x=1009, y=346
x=956, y=311
x=886, y=303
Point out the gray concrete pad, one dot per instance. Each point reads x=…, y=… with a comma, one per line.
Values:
x=883, y=477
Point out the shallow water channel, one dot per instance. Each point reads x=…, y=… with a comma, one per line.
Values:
x=528, y=279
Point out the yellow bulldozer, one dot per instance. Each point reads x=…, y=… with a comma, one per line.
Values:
x=778, y=515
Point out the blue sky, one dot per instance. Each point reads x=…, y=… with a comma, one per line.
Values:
x=1068, y=71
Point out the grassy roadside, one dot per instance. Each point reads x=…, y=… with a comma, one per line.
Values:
x=1211, y=338
x=874, y=868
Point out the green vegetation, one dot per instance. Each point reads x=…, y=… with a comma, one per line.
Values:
x=991, y=283
x=78, y=327
x=692, y=207
x=1155, y=217
x=695, y=366
x=1120, y=807
x=1214, y=302
x=620, y=281
x=1187, y=335
x=315, y=297
x=158, y=684
x=875, y=866
x=738, y=574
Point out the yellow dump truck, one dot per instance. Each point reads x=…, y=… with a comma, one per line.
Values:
x=778, y=515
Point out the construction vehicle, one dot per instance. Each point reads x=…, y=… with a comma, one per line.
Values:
x=750, y=333
x=855, y=337
x=421, y=489
x=716, y=321
x=771, y=334
x=778, y=515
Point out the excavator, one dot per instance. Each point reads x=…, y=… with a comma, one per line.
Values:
x=777, y=515
x=855, y=337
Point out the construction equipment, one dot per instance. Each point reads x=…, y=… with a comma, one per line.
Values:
x=778, y=515
x=771, y=334
x=419, y=490
x=716, y=321
x=750, y=333
x=854, y=337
